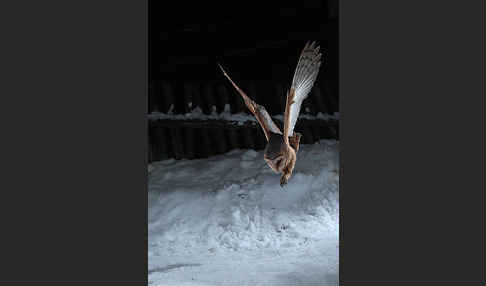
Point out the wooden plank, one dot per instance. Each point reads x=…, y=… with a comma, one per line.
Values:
x=316, y=132
x=197, y=100
x=161, y=150
x=208, y=97
x=307, y=135
x=281, y=97
x=177, y=143
x=248, y=139
x=317, y=99
x=218, y=141
x=233, y=138
x=204, y=144
x=188, y=90
x=168, y=96
x=152, y=98
x=260, y=140
x=223, y=98
x=200, y=139
x=227, y=124
x=189, y=148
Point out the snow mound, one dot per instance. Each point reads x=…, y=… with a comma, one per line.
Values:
x=234, y=202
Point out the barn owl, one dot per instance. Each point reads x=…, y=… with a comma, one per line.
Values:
x=281, y=149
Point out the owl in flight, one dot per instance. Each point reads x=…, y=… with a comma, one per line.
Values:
x=281, y=150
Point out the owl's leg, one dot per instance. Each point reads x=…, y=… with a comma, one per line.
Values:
x=289, y=168
x=283, y=180
x=294, y=141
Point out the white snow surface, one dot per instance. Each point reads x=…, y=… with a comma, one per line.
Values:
x=225, y=220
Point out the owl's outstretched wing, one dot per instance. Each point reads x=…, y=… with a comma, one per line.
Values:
x=259, y=111
x=304, y=77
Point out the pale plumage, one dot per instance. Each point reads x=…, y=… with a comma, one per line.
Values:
x=280, y=152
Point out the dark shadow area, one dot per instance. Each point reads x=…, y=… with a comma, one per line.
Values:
x=258, y=46
x=172, y=266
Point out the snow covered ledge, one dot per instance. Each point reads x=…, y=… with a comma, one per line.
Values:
x=226, y=115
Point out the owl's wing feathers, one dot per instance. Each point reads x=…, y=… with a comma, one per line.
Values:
x=259, y=111
x=304, y=77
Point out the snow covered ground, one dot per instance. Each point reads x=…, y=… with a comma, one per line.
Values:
x=225, y=220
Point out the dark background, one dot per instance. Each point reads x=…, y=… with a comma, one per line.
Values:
x=259, y=47
x=75, y=155
x=253, y=42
